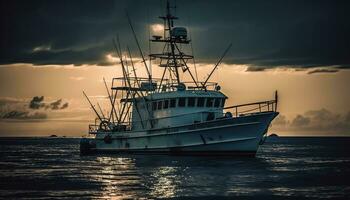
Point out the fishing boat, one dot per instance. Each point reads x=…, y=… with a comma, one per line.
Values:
x=171, y=116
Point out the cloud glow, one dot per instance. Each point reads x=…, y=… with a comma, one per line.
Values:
x=111, y=58
x=157, y=28
x=42, y=48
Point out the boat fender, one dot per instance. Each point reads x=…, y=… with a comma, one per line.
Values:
x=107, y=139
x=228, y=115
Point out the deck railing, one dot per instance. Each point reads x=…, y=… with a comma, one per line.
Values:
x=160, y=85
x=249, y=108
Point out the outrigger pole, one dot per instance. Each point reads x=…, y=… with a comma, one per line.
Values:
x=110, y=99
x=101, y=110
x=217, y=64
x=118, y=49
x=93, y=107
x=138, y=46
x=138, y=84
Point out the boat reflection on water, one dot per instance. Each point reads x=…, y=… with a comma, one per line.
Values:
x=121, y=178
x=136, y=176
x=165, y=181
x=118, y=177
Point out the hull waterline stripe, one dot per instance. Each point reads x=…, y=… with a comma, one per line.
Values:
x=181, y=132
x=189, y=145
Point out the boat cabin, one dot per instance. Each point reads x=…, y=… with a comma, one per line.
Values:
x=176, y=108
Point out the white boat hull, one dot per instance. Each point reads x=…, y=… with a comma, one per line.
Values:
x=229, y=136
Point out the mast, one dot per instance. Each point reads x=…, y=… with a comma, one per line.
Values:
x=172, y=57
x=172, y=45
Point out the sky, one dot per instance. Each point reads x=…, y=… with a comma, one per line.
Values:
x=53, y=50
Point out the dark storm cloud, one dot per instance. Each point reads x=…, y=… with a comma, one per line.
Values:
x=57, y=105
x=264, y=34
x=315, y=120
x=11, y=108
x=255, y=69
x=323, y=71
x=37, y=102
x=24, y=115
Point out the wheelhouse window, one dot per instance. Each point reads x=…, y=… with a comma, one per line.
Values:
x=172, y=103
x=154, y=105
x=210, y=102
x=200, y=102
x=217, y=102
x=166, y=104
x=182, y=102
x=191, y=101
x=223, y=102
x=159, y=105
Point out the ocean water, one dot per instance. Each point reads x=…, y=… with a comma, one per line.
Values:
x=284, y=168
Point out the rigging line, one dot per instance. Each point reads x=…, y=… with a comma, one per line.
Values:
x=93, y=107
x=118, y=105
x=112, y=104
x=143, y=97
x=194, y=61
x=129, y=86
x=101, y=110
x=126, y=76
x=111, y=116
x=133, y=68
x=128, y=108
x=187, y=68
x=123, y=109
x=135, y=102
x=138, y=45
x=149, y=41
x=161, y=80
x=118, y=49
x=217, y=64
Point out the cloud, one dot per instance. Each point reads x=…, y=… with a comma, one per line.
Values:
x=24, y=115
x=77, y=32
x=300, y=121
x=77, y=78
x=347, y=118
x=280, y=120
x=55, y=105
x=5, y=101
x=314, y=71
x=321, y=120
x=37, y=102
x=255, y=69
x=19, y=109
x=65, y=105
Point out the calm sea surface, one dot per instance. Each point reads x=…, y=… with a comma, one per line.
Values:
x=284, y=168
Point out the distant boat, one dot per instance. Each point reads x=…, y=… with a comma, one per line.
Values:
x=53, y=136
x=170, y=116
